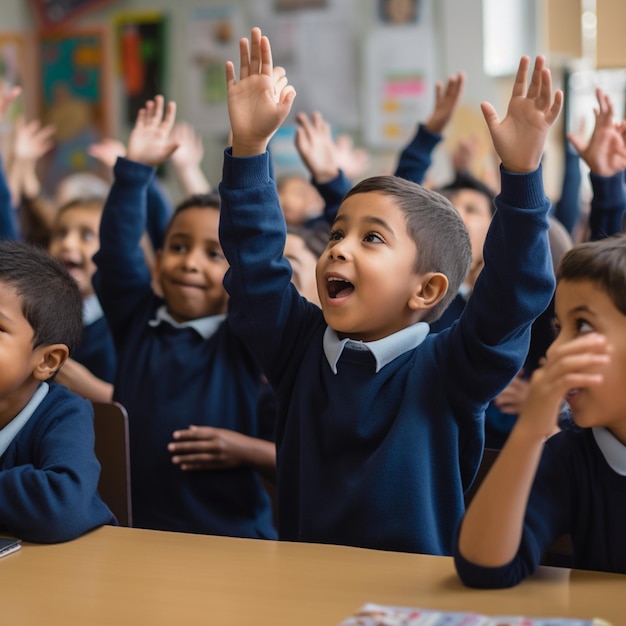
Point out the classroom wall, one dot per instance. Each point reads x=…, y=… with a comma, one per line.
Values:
x=456, y=41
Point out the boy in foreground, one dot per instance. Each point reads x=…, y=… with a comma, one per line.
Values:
x=575, y=481
x=48, y=469
x=380, y=426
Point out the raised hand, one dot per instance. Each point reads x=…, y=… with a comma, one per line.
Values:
x=446, y=101
x=260, y=101
x=7, y=97
x=353, y=162
x=314, y=142
x=149, y=141
x=190, y=149
x=605, y=153
x=107, y=151
x=519, y=138
x=575, y=364
x=32, y=140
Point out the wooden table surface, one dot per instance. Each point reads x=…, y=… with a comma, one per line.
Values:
x=118, y=576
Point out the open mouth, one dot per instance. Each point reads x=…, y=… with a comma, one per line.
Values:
x=72, y=266
x=338, y=287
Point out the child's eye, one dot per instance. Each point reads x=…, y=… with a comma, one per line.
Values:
x=88, y=235
x=336, y=235
x=215, y=255
x=583, y=326
x=373, y=238
x=178, y=247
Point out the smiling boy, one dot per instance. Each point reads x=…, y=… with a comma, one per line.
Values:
x=379, y=427
x=190, y=386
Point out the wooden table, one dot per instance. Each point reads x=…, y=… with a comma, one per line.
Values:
x=119, y=576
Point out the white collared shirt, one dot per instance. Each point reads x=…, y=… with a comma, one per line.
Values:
x=612, y=449
x=11, y=430
x=92, y=311
x=204, y=326
x=384, y=350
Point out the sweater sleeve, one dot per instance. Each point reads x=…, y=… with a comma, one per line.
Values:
x=332, y=193
x=607, y=205
x=265, y=309
x=415, y=159
x=159, y=213
x=8, y=225
x=486, y=348
x=54, y=496
x=123, y=278
x=567, y=209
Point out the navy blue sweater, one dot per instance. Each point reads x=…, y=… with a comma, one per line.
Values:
x=575, y=491
x=169, y=378
x=380, y=460
x=49, y=473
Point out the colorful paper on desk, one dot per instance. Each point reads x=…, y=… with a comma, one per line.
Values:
x=380, y=615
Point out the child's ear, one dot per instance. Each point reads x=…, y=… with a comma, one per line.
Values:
x=49, y=360
x=432, y=288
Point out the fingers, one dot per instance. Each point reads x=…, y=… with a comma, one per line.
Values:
x=536, y=80
x=519, y=84
x=490, y=115
x=244, y=58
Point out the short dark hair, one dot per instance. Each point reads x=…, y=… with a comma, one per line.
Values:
x=194, y=201
x=465, y=180
x=602, y=262
x=435, y=226
x=51, y=300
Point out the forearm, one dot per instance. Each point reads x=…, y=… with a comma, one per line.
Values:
x=261, y=455
x=491, y=530
x=192, y=180
x=80, y=380
x=415, y=159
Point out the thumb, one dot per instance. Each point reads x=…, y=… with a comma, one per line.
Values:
x=490, y=115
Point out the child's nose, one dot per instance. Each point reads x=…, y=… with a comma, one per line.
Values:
x=190, y=261
x=340, y=251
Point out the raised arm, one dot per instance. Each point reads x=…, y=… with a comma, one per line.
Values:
x=605, y=154
x=415, y=159
x=186, y=160
x=123, y=278
x=314, y=142
x=159, y=208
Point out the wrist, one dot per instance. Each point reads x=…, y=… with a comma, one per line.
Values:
x=248, y=148
x=323, y=177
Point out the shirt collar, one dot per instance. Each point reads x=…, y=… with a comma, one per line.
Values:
x=204, y=326
x=92, y=311
x=612, y=449
x=384, y=350
x=11, y=430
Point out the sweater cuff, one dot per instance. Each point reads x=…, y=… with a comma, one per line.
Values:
x=245, y=172
x=126, y=170
x=522, y=190
x=426, y=138
x=608, y=190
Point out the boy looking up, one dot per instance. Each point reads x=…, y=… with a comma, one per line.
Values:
x=190, y=386
x=48, y=469
x=379, y=426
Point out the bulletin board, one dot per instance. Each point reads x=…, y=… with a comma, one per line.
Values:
x=75, y=98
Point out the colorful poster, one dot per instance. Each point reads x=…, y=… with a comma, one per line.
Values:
x=398, y=86
x=74, y=81
x=141, y=53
